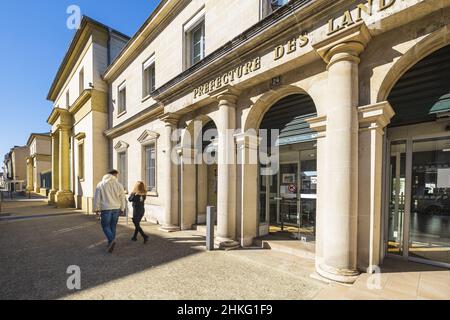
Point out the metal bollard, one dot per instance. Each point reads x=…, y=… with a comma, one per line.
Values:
x=210, y=222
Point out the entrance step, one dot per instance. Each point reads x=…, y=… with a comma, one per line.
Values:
x=305, y=250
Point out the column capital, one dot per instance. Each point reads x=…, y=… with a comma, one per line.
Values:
x=247, y=140
x=171, y=119
x=344, y=45
x=319, y=125
x=375, y=116
x=226, y=94
x=63, y=127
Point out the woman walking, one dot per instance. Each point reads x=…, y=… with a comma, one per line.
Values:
x=138, y=197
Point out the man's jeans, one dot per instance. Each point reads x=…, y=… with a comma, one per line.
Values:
x=110, y=218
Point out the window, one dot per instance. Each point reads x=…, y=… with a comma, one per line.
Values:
x=67, y=99
x=197, y=43
x=122, y=98
x=81, y=81
x=148, y=77
x=123, y=168
x=150, y=167
x=269, y=6
x=81, y=161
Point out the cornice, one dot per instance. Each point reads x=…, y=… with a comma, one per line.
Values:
x=81, y=100
x=76, y=46
x=136, y=121
x=243, y=44
x=64, y=114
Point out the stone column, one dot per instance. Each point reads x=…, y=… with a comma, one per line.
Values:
x=170, y=188
x=372, y=121
x=341, y=53
x=55, y=168
x=247, y=162
x=30, y=175
x=226, y=180
x=64, y=197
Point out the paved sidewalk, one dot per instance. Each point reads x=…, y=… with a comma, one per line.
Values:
x=38, y=243
x=36, y=252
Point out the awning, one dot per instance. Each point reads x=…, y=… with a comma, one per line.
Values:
x=443, y=105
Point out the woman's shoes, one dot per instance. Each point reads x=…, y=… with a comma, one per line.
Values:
x=146, y=239
x=134, y=239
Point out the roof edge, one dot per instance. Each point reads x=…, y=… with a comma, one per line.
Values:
x=84, y=23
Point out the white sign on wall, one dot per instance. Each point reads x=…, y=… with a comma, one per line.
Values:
x=443, y=180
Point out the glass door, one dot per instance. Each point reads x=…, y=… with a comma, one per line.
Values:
x=308, y=192
x=289, y=191
x=397, y=195
x=430, y=201
x=419, y=200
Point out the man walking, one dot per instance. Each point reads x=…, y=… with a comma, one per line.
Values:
x=110, y=201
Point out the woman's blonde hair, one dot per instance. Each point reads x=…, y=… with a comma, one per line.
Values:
x=140, y=188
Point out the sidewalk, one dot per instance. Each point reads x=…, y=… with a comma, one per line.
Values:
x=38, y=243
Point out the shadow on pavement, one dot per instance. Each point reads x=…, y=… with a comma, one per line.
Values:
x=36, y=253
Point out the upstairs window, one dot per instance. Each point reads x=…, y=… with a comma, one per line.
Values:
x=269, y=6
x=81, y=81
x=194, y=35
x=198, y=43
x=148, y=77
x=122, y=98
x=67, y=99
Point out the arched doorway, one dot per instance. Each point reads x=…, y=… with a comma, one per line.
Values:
x=288, y=169
x=198, y=171
x=417, y=202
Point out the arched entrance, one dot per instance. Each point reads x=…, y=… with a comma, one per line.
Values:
x=417, y=201
x=288, y=169
x=198, y=171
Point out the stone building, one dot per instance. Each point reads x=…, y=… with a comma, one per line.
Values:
x=15, y=167
x=39, y=160
x=15, y=163
x=80, y=115
x=343, y=104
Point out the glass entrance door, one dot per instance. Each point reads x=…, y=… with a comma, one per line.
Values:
x=419, y=206
x=430, y=201
x=288, y=198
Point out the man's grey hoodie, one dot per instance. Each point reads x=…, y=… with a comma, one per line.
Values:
x=109, y=195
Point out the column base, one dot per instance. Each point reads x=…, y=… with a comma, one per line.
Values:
x=337, y=275
x=227, y=244
x=64, y=199
x=169, y=229
x=52, y=197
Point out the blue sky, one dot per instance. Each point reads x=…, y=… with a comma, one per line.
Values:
x=34, y=40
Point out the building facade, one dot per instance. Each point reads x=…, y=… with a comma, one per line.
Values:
x=80, y=115
x=39, y=161
x=15, y=168
x=328, y=119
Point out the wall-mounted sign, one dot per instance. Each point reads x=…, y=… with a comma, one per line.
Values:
x=251, y=66
x=351, y=17
x=229, y=77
